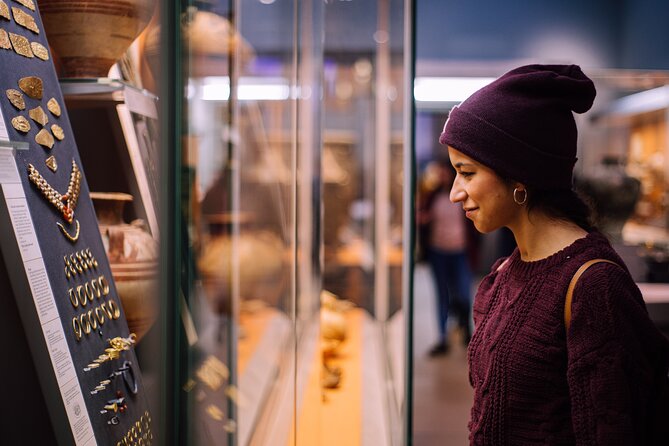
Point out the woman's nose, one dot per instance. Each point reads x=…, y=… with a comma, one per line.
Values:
x=457, y=192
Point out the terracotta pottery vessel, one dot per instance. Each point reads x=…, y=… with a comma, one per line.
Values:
x=133, y=257
x=89, y=36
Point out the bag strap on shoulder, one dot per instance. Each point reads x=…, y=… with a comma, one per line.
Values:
x=572, y=285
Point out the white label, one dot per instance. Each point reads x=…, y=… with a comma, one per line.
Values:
x=3, y=128
x=8, y=171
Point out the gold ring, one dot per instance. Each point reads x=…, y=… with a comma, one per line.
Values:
x=140, y=442
x=82, y=300
x=109, y=314
x=85, y=323
x=67, y=273
x=67, y=262
x=96, y=288
x=92, y=320
x=114, y=309
x=81, y=260
x=73, y=298
x=138, y=426
x=89, y=291
x=73, y=261
x=104, y=284
x=76, y=326
x=100, y=315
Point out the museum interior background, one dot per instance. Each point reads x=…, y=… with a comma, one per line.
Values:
x=253, y=166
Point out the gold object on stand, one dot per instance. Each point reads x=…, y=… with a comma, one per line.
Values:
x=21, y=124
x=39, y=50
x=51, y=163
x=30, y=4
x=5, y=44
x=21, y=46
x=16, y=98
x=32, y=86
x=53, y=106
x=38, y=115
x=58, y=132
x=24, y=19
x=45, y=138
x=4, y=10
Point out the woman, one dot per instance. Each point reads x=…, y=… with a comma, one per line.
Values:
x=602, y=381
x=446, y=247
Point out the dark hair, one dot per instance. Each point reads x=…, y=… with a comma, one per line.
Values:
x=563, y=204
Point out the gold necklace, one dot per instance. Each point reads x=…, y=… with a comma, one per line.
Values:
x=64, y=203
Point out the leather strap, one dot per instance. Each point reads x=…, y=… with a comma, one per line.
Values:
x=572, y=285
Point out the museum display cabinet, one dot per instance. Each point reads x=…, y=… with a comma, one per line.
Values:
x=205, y=216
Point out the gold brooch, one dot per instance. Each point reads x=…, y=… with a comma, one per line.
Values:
x=64, y=203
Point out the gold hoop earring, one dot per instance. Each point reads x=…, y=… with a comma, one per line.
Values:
x=516, y=192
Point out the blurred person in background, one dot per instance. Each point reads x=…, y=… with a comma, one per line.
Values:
x=444, y=234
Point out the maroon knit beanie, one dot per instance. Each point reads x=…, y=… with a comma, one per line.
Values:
x=522, y=126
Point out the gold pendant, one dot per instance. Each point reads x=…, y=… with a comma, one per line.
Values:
x=64, y=203
x=21, y=124
x=16, y=98
x=32, y=86
x=4, y=10
x=58, y=132
x=21, y=45
x=45, y=139
x=72, y=238
x=38, y=115
x=5, y=44
x=39, y=50
x=53, y=106
x=51, y=163
x=24, y=19
x=27, y=3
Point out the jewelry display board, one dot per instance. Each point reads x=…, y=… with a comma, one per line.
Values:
x=54, y=254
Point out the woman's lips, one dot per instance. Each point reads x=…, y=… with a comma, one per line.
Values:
x=469, y=212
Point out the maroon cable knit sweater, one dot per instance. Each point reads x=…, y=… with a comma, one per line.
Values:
x=535, y=385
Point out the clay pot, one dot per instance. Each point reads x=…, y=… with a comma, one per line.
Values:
x=89, y=36
x=262, y=268
x=133, y=258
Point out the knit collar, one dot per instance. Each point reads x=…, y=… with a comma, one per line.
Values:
x=525, y=268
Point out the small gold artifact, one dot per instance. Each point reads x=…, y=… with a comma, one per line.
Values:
x=38, y=115
x=53, y=106
x=39, y=50
x=4, y=39
x=58, y=132
x=16, y=98
x=27, y=3
x=32, y=86
x=44, y=138
x=4, y=10
x=21, y=45
x=72, y=238
x=24, y=19
x=21, y=124
x=51, y=163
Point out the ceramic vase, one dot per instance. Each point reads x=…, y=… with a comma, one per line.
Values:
x=133, y=258
x=89, y=36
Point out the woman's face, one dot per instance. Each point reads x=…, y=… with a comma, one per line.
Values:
x=486, y=198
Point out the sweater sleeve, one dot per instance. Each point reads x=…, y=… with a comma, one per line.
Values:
x=607, y=372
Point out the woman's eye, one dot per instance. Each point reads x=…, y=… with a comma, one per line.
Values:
x=466, y=174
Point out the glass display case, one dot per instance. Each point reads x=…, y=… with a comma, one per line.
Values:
x=287, y=253
x=250, y=174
